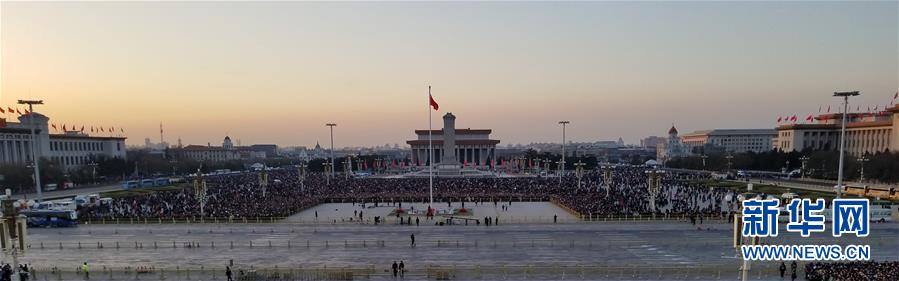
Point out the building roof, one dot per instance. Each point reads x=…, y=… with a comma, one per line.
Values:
x=672, y=131
x=458, y=142
x=66, y=136
x=458, y=132
x=878, y=123
x=17, y=130
x=727, y=132
x=194, y=147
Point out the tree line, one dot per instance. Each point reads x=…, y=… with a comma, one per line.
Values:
x=881, y=167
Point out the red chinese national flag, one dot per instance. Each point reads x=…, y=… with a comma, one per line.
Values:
x=9, y=109
x=779, y=119
x=2, y=111
x=433, y=102
x=19, y=112
x=809, y=118
x=54, y=126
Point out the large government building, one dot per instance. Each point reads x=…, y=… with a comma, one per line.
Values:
x=865, y=133
x=732, y=140
x=227, y=152
x=70, y=149
x=467, y=146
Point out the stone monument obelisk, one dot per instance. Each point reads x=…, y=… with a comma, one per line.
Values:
x=448, y=163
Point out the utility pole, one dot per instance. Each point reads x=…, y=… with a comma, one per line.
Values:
x=34, y=157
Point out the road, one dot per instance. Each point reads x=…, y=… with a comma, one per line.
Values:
x=67, y=193
x=606, y=249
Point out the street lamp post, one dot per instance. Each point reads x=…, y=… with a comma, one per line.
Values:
x=845, y=96
x=579, y=170
x=377, y=165
x=804, y=160
x=347, y=167
x=729, y=158
x=331, y=126
x=861, y=161
x=704, y=157
x=655, y=184
x=562, y=169
x=561, y=166
x=93, y=166
x=302, y=173
x=607, y=177
x=34, y=157
x=325, y=167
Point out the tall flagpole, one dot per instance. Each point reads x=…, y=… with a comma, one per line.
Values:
x=430, y=155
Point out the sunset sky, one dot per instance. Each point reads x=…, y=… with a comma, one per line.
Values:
x=276, y=72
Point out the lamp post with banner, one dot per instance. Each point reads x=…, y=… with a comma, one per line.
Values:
x=301, y=172
x=579, y=171
x=13, y=231
x=200, y=191
x=263, y=180
x=607, y=177
x=655, y=184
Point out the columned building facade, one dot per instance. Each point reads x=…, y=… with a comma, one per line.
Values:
x=472, y=147
x=69, y=149
x=865, y=133
x=732, y=140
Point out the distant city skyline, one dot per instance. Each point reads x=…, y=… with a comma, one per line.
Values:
x=276, y=72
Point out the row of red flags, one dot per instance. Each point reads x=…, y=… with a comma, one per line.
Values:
x=83, y=129
x=11, y=110
x=63, y=127
x=404, y=163
x=871, y=112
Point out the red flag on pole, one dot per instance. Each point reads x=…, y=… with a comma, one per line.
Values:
x=779, y=119
x=809, y=118
x=63, y=127
x=432, y=101
x=54, y=126
x=828, y=109
x=2, y=111
x=9, y=109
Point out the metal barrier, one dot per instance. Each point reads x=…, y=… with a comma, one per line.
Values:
x=427, y=271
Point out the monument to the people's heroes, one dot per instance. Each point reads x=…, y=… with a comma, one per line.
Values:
x=448, y=164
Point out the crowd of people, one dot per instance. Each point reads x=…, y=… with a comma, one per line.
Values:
x=242, y=195
x=851, y=271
